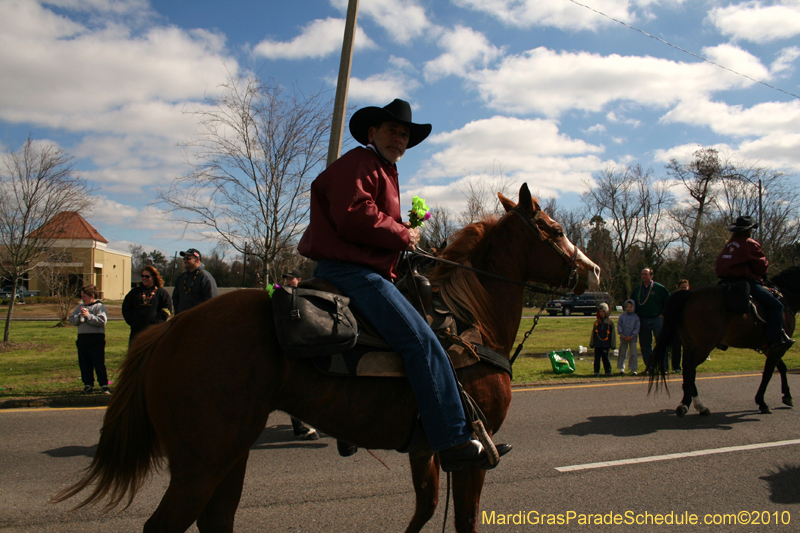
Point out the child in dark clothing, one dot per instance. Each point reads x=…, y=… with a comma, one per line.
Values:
x=603, y=339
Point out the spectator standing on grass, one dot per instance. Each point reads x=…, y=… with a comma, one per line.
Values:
x=147, y=304
x=603, y=340
x=301, y=431
x=628, y=328
x=91, y=317
x=650, y=298
x=195, y=285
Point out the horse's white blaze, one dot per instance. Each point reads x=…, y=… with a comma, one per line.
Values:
x=594, y=270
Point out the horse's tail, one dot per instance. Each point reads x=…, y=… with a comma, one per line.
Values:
x=673, y=315
x=128, y=447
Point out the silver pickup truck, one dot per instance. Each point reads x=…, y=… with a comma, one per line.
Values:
x=22, y=293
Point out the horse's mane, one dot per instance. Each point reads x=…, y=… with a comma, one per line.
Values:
x=459, y=288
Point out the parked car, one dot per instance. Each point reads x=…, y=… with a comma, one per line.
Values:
x=22, y=293
x=587, y=303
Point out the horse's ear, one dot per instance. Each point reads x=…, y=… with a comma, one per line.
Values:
x=525, y=199
x=508, y=205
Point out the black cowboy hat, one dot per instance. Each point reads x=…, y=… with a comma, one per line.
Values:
x=292, y=274
x=398, y=111
x=743, y=223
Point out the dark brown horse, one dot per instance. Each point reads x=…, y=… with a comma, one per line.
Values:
x=701, y=319
x=197, y=390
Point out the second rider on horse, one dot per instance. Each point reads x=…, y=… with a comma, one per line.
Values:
x=356, y=234
x=743, y=260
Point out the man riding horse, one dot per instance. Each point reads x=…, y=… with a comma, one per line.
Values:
x=356, y=234
x=743, y=260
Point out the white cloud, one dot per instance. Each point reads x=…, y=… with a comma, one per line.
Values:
x=381, y=88
x=549, y=82
x=530, y=151
x=403, y=21
x=769, y=130
x=783, y=65
x=77, y=71
x=564, y=15
x=319, y=38
x=755, y=22
x=102, y=6
x=464, y=48
x=759, y=120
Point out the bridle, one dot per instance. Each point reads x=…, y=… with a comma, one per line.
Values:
x=571, y=261
x=571, y=278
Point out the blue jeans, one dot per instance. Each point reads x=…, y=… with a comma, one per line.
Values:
x=650, y=328
x=427, y=367
x=774, y=308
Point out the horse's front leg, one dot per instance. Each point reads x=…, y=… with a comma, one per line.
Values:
x=787, y=395
x=467, y=486
x=769, y=369
x=425, y=475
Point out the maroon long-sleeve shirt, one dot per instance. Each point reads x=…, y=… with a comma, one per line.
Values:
x=355, y=213
x=741, y=258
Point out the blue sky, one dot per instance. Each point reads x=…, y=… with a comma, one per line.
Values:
x=543, y=91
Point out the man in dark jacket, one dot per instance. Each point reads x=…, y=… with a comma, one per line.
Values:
x=743, y=260
x=195, y=285
x=356, y=234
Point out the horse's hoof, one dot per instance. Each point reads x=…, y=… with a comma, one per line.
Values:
x=787, y=400
x=682, y=410
x=705, y=412
x=765, y=409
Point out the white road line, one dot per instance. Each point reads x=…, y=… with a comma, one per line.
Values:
x=670, y=456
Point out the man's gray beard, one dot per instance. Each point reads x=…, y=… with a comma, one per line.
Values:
x=380, y=153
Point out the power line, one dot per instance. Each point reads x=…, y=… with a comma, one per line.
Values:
x=683, y=50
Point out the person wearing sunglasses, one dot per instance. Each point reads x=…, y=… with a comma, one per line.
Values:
x=147, y=304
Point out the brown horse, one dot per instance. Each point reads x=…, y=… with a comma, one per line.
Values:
x=699, y=316
x=233, y=374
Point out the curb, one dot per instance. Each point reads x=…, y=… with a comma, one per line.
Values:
x=100, y=400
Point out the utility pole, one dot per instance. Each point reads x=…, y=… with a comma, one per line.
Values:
x=343, y=84
x=244, y=263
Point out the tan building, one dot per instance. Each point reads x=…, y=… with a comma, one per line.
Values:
x=80, y=254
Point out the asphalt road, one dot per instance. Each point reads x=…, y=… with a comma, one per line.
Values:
x=305, y=486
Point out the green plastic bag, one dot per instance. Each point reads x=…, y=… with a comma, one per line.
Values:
x=562, y=361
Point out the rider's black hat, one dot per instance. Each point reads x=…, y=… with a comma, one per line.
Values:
x=398, y=111
x=743, y=223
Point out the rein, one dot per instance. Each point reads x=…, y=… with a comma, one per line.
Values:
x=426, y=254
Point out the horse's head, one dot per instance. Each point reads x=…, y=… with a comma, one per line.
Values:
x=553, y=258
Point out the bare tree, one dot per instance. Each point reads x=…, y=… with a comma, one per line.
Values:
x=37, y=182
x=481, y=194
x=699, y=177
x=629, y=202
x=439, y=228
x=139, y=259
x=55, y=273
x=253, y=158
x=657, y=200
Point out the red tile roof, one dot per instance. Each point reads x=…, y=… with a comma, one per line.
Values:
x=69, y=225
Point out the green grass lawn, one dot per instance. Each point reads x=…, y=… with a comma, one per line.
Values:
x=42, y=360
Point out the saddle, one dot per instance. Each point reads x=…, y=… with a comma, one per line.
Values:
x=372, y=355
x=738, y=299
